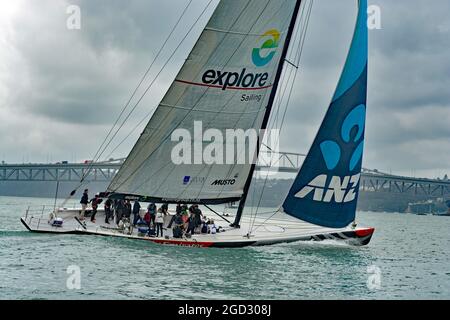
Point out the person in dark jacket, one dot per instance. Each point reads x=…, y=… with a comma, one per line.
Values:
x=84, y=202
x=195, y=219
x=191, y=224
x=176, y=219
x=120, y=208
x=136, y=211
x=95, y=202
x=108, y=211
x=177, y=222
x=152, y=209
x=198, y=215
x=127, y=211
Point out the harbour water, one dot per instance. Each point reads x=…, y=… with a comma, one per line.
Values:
x=408, y=258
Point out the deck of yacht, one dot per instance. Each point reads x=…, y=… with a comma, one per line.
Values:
x=278, y=229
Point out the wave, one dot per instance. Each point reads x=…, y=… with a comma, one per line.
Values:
x=14, y=233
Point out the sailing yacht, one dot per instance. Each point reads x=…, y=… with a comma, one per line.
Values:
x=240, y=55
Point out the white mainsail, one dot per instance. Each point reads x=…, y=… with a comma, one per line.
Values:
x=225, y=83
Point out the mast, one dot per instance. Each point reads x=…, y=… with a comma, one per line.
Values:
x=265, y=122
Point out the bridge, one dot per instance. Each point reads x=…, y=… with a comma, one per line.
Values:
x=284, y=162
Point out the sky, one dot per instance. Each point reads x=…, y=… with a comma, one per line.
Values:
x=61, y=90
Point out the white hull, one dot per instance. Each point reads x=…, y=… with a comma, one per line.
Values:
x=281, y=229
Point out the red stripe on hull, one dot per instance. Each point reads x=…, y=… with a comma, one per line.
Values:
x=180, y=243
x=365, y=232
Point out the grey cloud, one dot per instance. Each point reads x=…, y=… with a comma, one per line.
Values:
x=75, y=82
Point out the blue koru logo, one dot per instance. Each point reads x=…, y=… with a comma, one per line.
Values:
x=331, y=150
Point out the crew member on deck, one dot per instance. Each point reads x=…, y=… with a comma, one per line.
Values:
x=185, y=217
x=165, y=208
x=127, y=211
x=95, y=202
x=191, y=226
x=120, y=208
x=136, y=212
x=160, y=222
x=152, y=211
x=84, y=202
x=197, y=216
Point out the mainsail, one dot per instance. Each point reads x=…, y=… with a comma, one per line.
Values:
x=325, y=191
x=227, y=82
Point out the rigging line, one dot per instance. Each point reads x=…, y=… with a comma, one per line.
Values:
x=131, y=132
x=225, y=104
x=232, y=55
x=299, y=59
x=296, y=67
x=97, y=155
x=274, y=118
x=298, y=55
x=285, y=80
x=266, y=178
x=198, y=100
x=253, y=218
x=230, y=58
x=280, y=97
x=151, y=135
x=163, y=67
x=145, y=75
x=269, y=108
x=154, y=80
x=287, y=73
x=285, y=83
x=262, y=102
x=56, y=196
x=253, y=125
x=267, y=23
x=217, y=47
x=216, y=213
x=188, y=113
